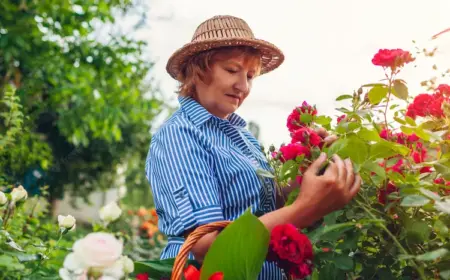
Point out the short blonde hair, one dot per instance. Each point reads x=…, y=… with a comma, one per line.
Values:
x=198, y=67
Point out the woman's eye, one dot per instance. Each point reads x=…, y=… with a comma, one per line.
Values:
x=232, y=71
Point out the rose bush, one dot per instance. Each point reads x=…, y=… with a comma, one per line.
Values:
x=397, y=226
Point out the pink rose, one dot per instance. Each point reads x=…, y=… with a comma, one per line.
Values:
x=98, y=249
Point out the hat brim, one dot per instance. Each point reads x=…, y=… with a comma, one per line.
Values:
x=271, y=56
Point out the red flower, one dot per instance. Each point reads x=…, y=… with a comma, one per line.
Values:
x=392, y=58
x=306, y=136
x=288, y=244
x=292, y=150
x=384, y=192
x=300, y=271
x=192, y=273
x=341, y=118
x=425, y=169
x=384, y=134
x=426, y=105
x=443, y=89
x=142, y=276
x=439, y=181
x=413, y=138
x=294, y=122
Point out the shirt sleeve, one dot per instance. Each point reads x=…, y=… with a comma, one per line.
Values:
x=180, y=167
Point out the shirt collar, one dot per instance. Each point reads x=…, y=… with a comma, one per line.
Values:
x=199, y=115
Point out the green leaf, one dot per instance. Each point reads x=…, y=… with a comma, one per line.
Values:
x=156, y=268
x=430, y=194
x=289, y=170
x=443, y=170
x=226, y=254
x=264, y=173
x=414, y=200
x=356, y=149
x=400, y=89
x=400, y=121
x=433, y=255
x=377, y=93
x=337, y=146
x=343, y=262
x=344, y=96
x=306, y=118
x=410, y=121
x=322, y=120
x=407, y=130
x=385, y=149
x=371, y=166
x=418, y=231
x=368, y=134
x=445, y=274
x=440, y=227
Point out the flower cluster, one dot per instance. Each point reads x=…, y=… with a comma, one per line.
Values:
x=291, y=250
x=295, y=119
x=392, y=58
x=429, y=105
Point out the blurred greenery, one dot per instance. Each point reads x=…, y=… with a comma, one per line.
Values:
x=86, y=97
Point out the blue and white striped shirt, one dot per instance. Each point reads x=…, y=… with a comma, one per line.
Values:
x=202, y=169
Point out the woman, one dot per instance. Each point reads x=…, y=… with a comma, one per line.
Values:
x=202, y=161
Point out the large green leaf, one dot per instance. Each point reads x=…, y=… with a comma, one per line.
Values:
x=343, y=262
x=371, y=166
x=344, y=96
x=356, y=149
x=368, y=134
x=385, y=149
x=239, y=250
x=377, y=93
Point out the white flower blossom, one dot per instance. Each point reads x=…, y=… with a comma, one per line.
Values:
x=110, y=212
x=19, y=194
x=67, y=222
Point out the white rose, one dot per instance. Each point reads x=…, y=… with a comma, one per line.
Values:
x=3, y=199
x=110, y=212
x=98, y=249
x=19, y=194
x=67, y=222
x=128, y=264
x=73, y=269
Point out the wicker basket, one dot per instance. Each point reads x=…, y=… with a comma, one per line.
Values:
x=180, y=260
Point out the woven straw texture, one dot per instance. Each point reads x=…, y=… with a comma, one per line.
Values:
x=222, y=31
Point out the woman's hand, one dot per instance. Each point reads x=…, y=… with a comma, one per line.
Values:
x=323, y=194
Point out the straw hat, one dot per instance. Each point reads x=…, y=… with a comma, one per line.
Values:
x=222, y=31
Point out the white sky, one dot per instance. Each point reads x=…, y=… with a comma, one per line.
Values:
x=328, y=46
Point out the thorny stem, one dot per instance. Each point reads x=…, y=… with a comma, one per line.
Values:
x=399, y=245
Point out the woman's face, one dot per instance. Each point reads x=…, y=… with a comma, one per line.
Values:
x=230, y=83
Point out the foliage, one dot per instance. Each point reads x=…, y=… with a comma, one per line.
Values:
x=85, y=99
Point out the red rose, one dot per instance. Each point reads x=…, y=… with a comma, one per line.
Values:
x=384, y=192
x=425, y=169
x=293, y=120
x=384, y=134
x=288, y=244
x=443, y=89
x=292, y=150
x=426, y=105
x=142, y=276
x=216, y=276
x=413, y=138
x=392, y=58
x=439, y=181
x=192, y=273
x=306, y=136
x=300, y=271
